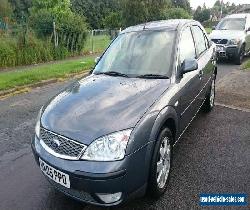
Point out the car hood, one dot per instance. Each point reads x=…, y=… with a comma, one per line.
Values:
x=99, y=104
x=227, y=34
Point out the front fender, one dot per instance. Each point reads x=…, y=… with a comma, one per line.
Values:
x=165, y=114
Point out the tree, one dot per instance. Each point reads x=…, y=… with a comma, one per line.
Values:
x=5, y=9
x=21, y=9
x=58, y=8
x=42, y=22
x=202, y=14
x=70, y=27
x=139, y=11
x=185, y=4
x=113, y=21
x=96, y=10
x=177, y=13
x=134, y=12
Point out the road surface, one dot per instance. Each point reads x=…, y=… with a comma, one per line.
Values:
x=211, y=157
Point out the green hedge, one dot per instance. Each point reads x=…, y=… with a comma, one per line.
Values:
x=14, y=53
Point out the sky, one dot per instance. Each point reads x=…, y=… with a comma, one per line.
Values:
x=210, y=3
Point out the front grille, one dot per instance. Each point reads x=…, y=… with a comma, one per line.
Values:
x=80, y=195
x=60, y=145
x=220, y=41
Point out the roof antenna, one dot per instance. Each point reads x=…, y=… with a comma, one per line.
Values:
x=144, y=27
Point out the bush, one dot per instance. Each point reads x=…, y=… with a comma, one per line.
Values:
x=42, y=23
x=176, y=13
x=7, y=53
x=60, y=52
x=20, y=51
x=33, y=50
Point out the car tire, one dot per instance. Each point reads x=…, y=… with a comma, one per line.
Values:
x=210, y=98
x=239, y=58
x=161, y=164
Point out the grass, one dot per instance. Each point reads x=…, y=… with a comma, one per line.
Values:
x=208, y=30
x=246, y=65
x=12, y=79
x=100, y=43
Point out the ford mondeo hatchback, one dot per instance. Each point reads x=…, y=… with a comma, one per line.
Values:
x=109, y=136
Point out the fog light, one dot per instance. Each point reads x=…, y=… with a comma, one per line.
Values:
x=110, y=198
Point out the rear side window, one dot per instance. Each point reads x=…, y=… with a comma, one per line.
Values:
x=186, y=47
x=199, y=40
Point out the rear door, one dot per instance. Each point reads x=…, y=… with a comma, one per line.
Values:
x=189, y=84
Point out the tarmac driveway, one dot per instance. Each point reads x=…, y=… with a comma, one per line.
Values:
x=213, y=156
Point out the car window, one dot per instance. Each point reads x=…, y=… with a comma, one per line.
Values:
x=139, y=53
x=232, y=24
x=199, y=40
x=186, y=47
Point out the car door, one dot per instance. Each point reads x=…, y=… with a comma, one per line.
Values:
x=205, y=59
x=189, y=84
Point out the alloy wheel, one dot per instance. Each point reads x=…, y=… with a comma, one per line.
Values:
x=163, y=164
x=212, y=94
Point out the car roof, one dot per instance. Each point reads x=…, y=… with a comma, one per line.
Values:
x=172, y=24
x=240, y=15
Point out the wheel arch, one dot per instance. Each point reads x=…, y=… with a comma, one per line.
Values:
x=167, y=117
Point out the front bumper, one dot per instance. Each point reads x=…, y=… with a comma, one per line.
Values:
x=225, y=51
x=88, y=179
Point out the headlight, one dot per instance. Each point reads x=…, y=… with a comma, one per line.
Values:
x=37, y=128
x=108, y=148
x=234, y=42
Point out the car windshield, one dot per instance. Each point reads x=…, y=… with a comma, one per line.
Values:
x=232, y=24
x=140, y=53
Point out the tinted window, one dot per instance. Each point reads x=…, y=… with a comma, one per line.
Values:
x=232, y=24
x=199, y=40
x=138, y=53
x=187, y=49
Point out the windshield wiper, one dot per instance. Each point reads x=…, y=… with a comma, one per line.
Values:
x=153, y=76
x=113, y=73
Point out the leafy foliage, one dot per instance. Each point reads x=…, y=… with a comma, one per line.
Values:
x=5, y=9
x=184, y=4
x=202, y=14
x=95, y=10
x=113, y=21
x=21, y=9
x=71, y=28
x=42, y=22
x=176, y=13
x=139, y=11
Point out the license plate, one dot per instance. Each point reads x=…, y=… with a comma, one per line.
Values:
x=220, y=48
x=54, y=174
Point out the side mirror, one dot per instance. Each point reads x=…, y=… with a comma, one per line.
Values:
x=97, y=59
x=248, y=29
x=91, y=71
x=189, y=65
x=213, y=27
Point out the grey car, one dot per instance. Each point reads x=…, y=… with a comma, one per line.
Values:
x=109, y=137
x=232, y=37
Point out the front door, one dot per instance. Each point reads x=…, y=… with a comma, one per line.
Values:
x=189, y=84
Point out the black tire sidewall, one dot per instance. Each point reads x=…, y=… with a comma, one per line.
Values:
x=153, y=188
x=207, y=106
x=239, y=58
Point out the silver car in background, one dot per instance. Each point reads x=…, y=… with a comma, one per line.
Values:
x=232, y=37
